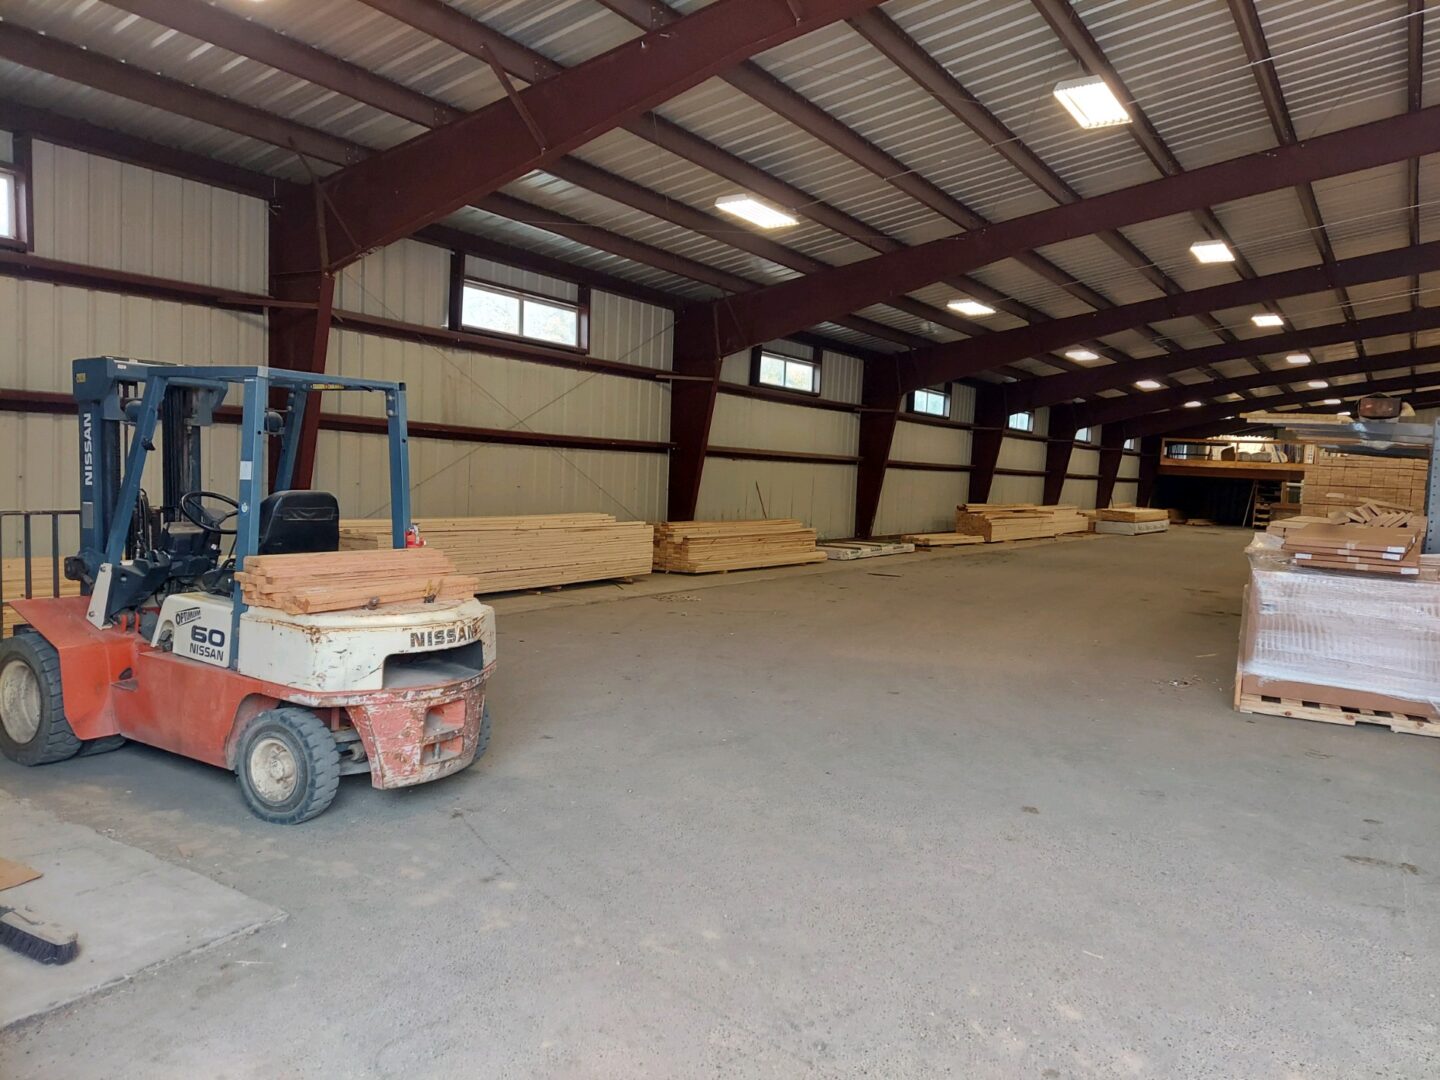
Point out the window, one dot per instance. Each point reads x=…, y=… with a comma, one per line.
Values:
x=1132, y=444
x=1085, y=435
x=785, y=372
x=930, y=403
x=9, y=208
x=1021, y=421
x=498, y=310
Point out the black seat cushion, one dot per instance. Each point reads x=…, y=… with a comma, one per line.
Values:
x=297, y=522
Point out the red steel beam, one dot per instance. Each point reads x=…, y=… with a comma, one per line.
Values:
x=780, y=309
x=1109, y=410
x=1414, y=94
x=958, y=359
x=397, y=191
x=1077, y=384
x=1180, y=419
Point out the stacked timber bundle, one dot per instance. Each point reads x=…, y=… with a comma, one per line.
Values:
x=1369, y=549
x=1132, y=520
x=1378, y=514
x=533, y=551
x=934, y=540
x=42, y=583
x=343, y=580
x=994, y=522
x=703, y=547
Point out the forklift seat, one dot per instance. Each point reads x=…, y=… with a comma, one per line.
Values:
x=299, y=522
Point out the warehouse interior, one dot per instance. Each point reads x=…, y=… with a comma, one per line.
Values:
x=846, y=537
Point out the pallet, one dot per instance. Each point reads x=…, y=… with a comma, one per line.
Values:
x=1338, y=714
x=863, y=549
x=935, y=540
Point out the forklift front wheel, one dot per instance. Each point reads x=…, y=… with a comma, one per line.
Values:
x=33, y=728
x=288, y=765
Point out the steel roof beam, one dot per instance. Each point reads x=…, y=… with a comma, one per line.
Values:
x=1180, y=419
x=1414, y=94
x=957, y=359
x=1109, y=410
x=397, y=191
x=780, y=309
x=1072, y=385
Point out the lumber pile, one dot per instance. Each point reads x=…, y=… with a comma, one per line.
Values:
x=1344, y=481
x=1132, y=514
x=1373, y=513
x=533, y=551
x=995, y=522
x=936, y=540
x=1372, y=549
x=42, y=583
x=705, y=547
x=343, y=580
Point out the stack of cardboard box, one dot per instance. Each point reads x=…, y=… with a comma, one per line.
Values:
x=1342, y=481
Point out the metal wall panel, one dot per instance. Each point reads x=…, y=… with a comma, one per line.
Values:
x=1017, y=489
x=408, y=281
x=517, y=278
x=772, y=425
x=914, y=501
x=822, y=496
x=927, y=442
x=630, y=332
x=1079, y=493
x=101, y=212
x=1130, y=467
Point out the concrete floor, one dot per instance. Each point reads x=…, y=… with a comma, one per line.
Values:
x=978, y=814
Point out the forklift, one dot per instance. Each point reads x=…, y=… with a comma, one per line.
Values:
x=161, y=648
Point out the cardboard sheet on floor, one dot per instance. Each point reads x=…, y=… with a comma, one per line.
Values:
x=14, y=873
x=132, y=911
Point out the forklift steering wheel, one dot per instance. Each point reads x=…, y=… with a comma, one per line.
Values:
x=196, y=514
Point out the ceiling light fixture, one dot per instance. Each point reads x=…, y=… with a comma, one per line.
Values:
x=1091, y=102
x=1297, y=358
x=966, y=305
x=1268, y=318
x=1317, y=384
x=1147, y=384
x=1192, y=404
x=1212, y=251
x=1331, y=401
x=756, y=212
x=1082, y=354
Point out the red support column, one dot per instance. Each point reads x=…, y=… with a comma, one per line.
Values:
x=299, y=337
x=1112, y=448
x=879, y=413
x=1058, y=447
x=1149, y=467
x=692, y=408
x=985, y=440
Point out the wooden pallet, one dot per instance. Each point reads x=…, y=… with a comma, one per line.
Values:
x=935, y=540
x=863, y=549
x=1338, y=714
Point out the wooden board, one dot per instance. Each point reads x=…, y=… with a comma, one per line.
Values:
x=863, y=549
x=308, y=584
x=998, y=522
x=1132, y=514
x=701, y=547
x=1413, y=724
x=526, y=552
x=934, y=540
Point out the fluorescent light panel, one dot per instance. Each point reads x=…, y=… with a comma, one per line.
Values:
x=1331, y=401
x=1091, y=103
x=1268, y=318
x=966, y=305
x=1193, y=404
x=1082, y=354
x=1317, y=384
x=751, y=209
x=1147, y=384
x=1212, y=251
x=1298, y=358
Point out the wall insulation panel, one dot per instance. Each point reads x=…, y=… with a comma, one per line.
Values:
x=823, y=496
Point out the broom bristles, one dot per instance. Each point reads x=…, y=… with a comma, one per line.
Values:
x=23, y=932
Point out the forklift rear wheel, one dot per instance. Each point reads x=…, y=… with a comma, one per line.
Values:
x=289, y=765
x=33, y=728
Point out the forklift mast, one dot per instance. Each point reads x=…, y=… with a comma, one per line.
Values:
x=123, y=404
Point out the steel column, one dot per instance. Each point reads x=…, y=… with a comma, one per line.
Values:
x=1059, y=444
x=1112, y=449
x=986, y=438
x=692, y=408
x=880, y=403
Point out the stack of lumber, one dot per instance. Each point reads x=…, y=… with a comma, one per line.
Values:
x=704, y=547
x=1342, y=481
x=1368, y=548
x=533, y=551
x=1132, y=520
x=42, y=583
x=934, y=540
x=343, y=580
x=994, y=522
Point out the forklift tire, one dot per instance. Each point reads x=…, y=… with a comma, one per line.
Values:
x=482, y=742
x=104, y=745
x=33, y=728
x=288, y=765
